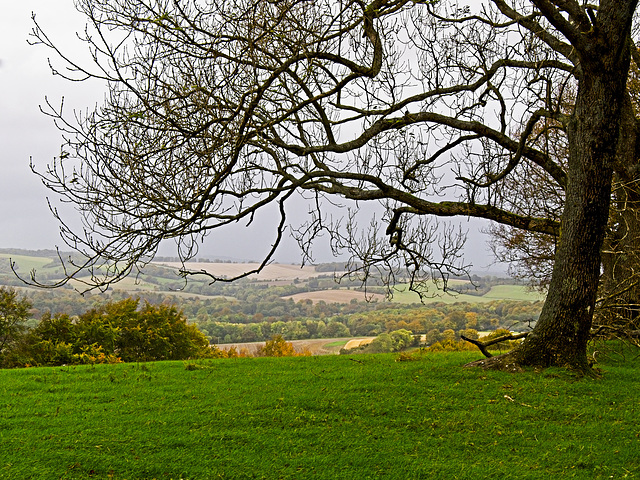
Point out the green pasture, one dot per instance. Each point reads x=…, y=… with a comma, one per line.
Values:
x=333, y=417
x=138, y=282
x=513, y=292
x=338, y=343
x=499, y=292
x=26, y=263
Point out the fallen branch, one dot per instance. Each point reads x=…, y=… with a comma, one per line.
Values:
x=483, y=345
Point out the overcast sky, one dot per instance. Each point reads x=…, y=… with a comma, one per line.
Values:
x=25, y=81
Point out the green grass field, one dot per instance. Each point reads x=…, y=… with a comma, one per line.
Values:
x=25, y=264
x=513, y=292
x=339, y=343
x=331, y=417
x=498, y=292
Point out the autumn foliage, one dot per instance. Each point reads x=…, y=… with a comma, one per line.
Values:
x=115, y=332
x=278, y=347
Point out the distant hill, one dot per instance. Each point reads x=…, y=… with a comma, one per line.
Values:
x=160, y=275
x=315, y=283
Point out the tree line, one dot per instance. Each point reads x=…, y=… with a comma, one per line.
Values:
x=123, y=331
x=431, y=321
x=259, y=312
x=128, y=329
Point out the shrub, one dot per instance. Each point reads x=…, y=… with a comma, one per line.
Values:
x=381, y=344
x=469, y=333
x=112, y=333
x=451, y=345
x=154, y=332
x=279, y=347
x=52, y=352
x=401, y=339
x=391, y=342
x=14, y=312
x=92, y=354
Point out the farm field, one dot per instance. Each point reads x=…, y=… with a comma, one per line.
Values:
x=284, y=274
x=25, y=263
x=513, y=292
x=498, y=292
x=318, y=418
x=129, y=284
x=272, y=272
x=163, y=277
x=337, y=296
x=317, y=346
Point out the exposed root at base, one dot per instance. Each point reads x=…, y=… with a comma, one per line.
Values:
x=508, y=362
x=505, y=363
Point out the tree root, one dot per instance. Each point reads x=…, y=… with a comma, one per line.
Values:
x=506, y=363
x=512, y=362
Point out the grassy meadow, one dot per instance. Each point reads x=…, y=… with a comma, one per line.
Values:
x=497, y=292
x=333, y=417
x=26, y=263
x=402, y=295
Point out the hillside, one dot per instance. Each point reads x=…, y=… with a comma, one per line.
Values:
x=297, y=303
x=326, y=417
x=316, y=283
x=275, y=272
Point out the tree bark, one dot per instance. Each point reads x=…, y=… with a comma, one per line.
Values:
x=561, y=335
x=620, y=283
x=563, y=330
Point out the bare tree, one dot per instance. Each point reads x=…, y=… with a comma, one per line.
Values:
x=218, y=109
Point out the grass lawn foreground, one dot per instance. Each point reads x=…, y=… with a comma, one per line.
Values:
x=331, y=417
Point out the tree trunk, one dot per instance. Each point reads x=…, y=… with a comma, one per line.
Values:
x=620, y=284
x=560, y=337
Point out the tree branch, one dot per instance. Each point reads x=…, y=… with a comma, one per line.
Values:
x=483, y=346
